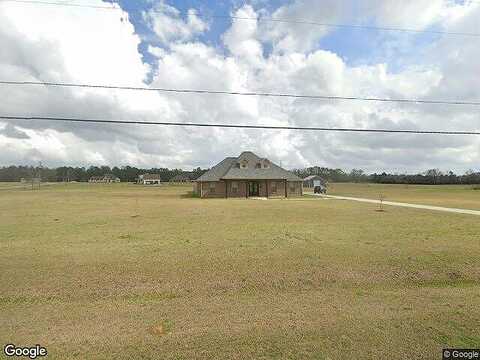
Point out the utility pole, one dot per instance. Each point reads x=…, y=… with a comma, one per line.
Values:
x=39, y=174
x=32, y=176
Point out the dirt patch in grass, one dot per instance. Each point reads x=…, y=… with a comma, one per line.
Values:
x=161, y=329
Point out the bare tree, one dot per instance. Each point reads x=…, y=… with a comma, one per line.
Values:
x=381, y=197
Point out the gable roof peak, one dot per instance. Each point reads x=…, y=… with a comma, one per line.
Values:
x=228, y=169
x=248, y=154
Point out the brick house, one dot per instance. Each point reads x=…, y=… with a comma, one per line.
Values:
x=107, y=178
x=248, y=176
x=180, y=178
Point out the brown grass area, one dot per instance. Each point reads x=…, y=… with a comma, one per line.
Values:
x=121, y=271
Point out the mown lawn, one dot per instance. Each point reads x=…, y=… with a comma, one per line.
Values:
x=130, y=272
x=457, y=196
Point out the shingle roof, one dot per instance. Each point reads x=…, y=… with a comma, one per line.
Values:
x=217, y=172
x=227, y=169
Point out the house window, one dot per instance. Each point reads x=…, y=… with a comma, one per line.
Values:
x=234, y=187
x=243, y=164
x=258, y=166
x=212, y=187
x=274, y=187
x=266, y=164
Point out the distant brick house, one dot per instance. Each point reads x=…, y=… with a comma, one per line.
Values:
x=181, y=178
x=149, y=179
x=247, y=176
x=107, y=178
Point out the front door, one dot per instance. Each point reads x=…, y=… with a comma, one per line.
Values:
x=253, y=188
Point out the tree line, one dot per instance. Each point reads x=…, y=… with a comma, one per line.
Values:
x=429, y=177
x=130, y=174
x=67, y=173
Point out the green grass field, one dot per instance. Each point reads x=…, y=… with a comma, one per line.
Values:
x=457, y=196
x=130, y=272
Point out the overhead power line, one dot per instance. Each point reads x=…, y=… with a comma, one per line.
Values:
x=56, y=3
x=248, y=93
x=260, y=19
x=233, y=126
x=353, y=26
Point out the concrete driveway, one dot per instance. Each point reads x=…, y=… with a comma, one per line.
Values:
x=409, y=205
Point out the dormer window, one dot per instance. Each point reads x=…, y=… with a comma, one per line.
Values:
x=258, y=166
x=266, y=164
x=243, y=164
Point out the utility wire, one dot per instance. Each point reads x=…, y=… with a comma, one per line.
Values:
x=55, y=3
x=349, y=26
x=259, y=19
x=222, y=92
x=262, y=127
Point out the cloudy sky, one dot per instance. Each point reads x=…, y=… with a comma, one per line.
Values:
x=193, y=45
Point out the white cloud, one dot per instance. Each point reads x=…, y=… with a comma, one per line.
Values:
x=167, y=23
x=411, y=14
x=392, y=13
x=242, y=38
x=156, y=51
x=297, y=37
x=89, y=46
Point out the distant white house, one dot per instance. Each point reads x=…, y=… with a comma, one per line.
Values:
x=313, y=180
x=149, y=179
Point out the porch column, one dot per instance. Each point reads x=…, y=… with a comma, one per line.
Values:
x=266, y=187
x=226, y=189
x=286, y=194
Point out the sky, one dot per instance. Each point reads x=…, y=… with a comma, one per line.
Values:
x=195, y=44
